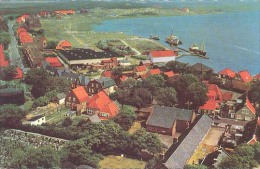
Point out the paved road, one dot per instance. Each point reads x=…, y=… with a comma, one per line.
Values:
x=15, y=58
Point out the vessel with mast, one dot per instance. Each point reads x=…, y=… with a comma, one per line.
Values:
x=173, y=40
x=198, y=50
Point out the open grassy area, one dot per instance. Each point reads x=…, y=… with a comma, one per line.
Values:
x=137, y=125
x=121, y=162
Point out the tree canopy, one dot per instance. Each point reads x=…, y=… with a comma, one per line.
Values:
x=126, y=117
x=8, y=73
x=166, y=96
x=11, y=115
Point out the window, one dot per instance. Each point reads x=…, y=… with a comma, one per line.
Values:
x=104, y=115
x=74, y=99
x=96, y=85
x=92, y=84
x=69, y=98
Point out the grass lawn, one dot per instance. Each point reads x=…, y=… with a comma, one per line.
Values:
x=121, y=162
x=135, y=127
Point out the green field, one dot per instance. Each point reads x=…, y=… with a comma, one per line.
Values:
x=121, y=162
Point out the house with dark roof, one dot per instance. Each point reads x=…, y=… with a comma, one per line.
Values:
x=80, y=57
x=76, y=99
x=103, y=83
x=83, y=80
x=169, y=120
x=72, y=77
x=247, y=112
x=162, y=56
x=101, y=105
x=213, y=159
x=36, y=120
x=180, y=152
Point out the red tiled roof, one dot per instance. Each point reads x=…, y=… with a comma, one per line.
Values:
x=162, y=53
x=140, y=68
x=54, y=61
x=245, y=76
x=22, y=18
x=210, y=105
x=228, y=72
x=257, y=76
x=258, y=121
x=253, y=140
x=80, y=93
x=154, y=71
x=213, y=89
x=169, y=73
x=107, y=73
x=227, y=96
x=3, y=61
x=250, y=106
x=107, y=61
x=19, y=30
x=123, y=78
x=102, y=102
x=19, y=74
x=65, y=12
x=63, y=44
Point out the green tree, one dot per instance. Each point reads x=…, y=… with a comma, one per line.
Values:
x=142, y=140
x=51, y=44
x=176, y=66
x=79, y=153
x=67, y=122
x=11, y=115
x=166, y=96
x=5, y=38
x=8, y=73
x=197, y=94
x=254, y=93
x=140, y=97
x=42, y=157
x=189, y=166
x=153, y=83
x=126, y=117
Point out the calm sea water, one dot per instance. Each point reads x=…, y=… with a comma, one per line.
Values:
x=232, y=39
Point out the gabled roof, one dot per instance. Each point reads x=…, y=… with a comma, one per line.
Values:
x=140, y=68
x=162, y=53
x=177, y=155
x=63, y=44
x=228, y=72
x=69, y=75
x=20, y=30
x=210, y=105
x=54, y=61
x=214, y=91
x=169, y=73
x=250, y=106
x=22, y=18
x=257, y=76
x=19, y=73
x=154, y=71
x=106, y=82
x=253, y=140
x=84, y=80
x=3, y=61
x=245, y=76
x=107, y=73
x=165, y=117
x=123, y=78
x=80, y=94
x=227, y=96
x=103, y=103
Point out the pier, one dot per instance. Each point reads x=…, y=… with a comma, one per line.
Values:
x=188, y=52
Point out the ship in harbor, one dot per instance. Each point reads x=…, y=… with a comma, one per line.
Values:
x=154, y=37
x=173, y=40
x=198, y=50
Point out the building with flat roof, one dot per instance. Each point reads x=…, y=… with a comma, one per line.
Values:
x=79, y=57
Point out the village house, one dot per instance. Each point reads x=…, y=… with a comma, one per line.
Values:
x=124, y=62
x=169, y=120
x=182, y=149
x=97, y=85
x=256, y=77
x=109, y=63
x=3, y=61
x=43, y=14
x=21, y=19
x=146, y=63
x=162, y=55
x=169, y=74
x=33, y=23
x=140, y=70
x=76, y=99
x=53, y=61
x=59, y=98
x=226, y=75
x=64, y=45
x=241, y=81
x=72, y=77
x=83, y=81
x=65, y=12
x=247, y=112
x=107, y=73
x=101, y=105
x=151, y=72
x=36, y=120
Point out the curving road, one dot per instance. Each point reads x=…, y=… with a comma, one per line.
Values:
x=15, y=58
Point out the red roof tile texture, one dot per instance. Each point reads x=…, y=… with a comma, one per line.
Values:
x=210, y=105
x=245, y=76
x=19, y=74
x=102, y=102
x=154, y=71
x=250, y=106
x=80, y=93
x=3, y=61
x=214, y=92
x=163, y=53
x=169, y=73
x=63, y=44
x=22, y=18
x=54, y=61
x=107, y=73
x=228, y=72
x=140, y=68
